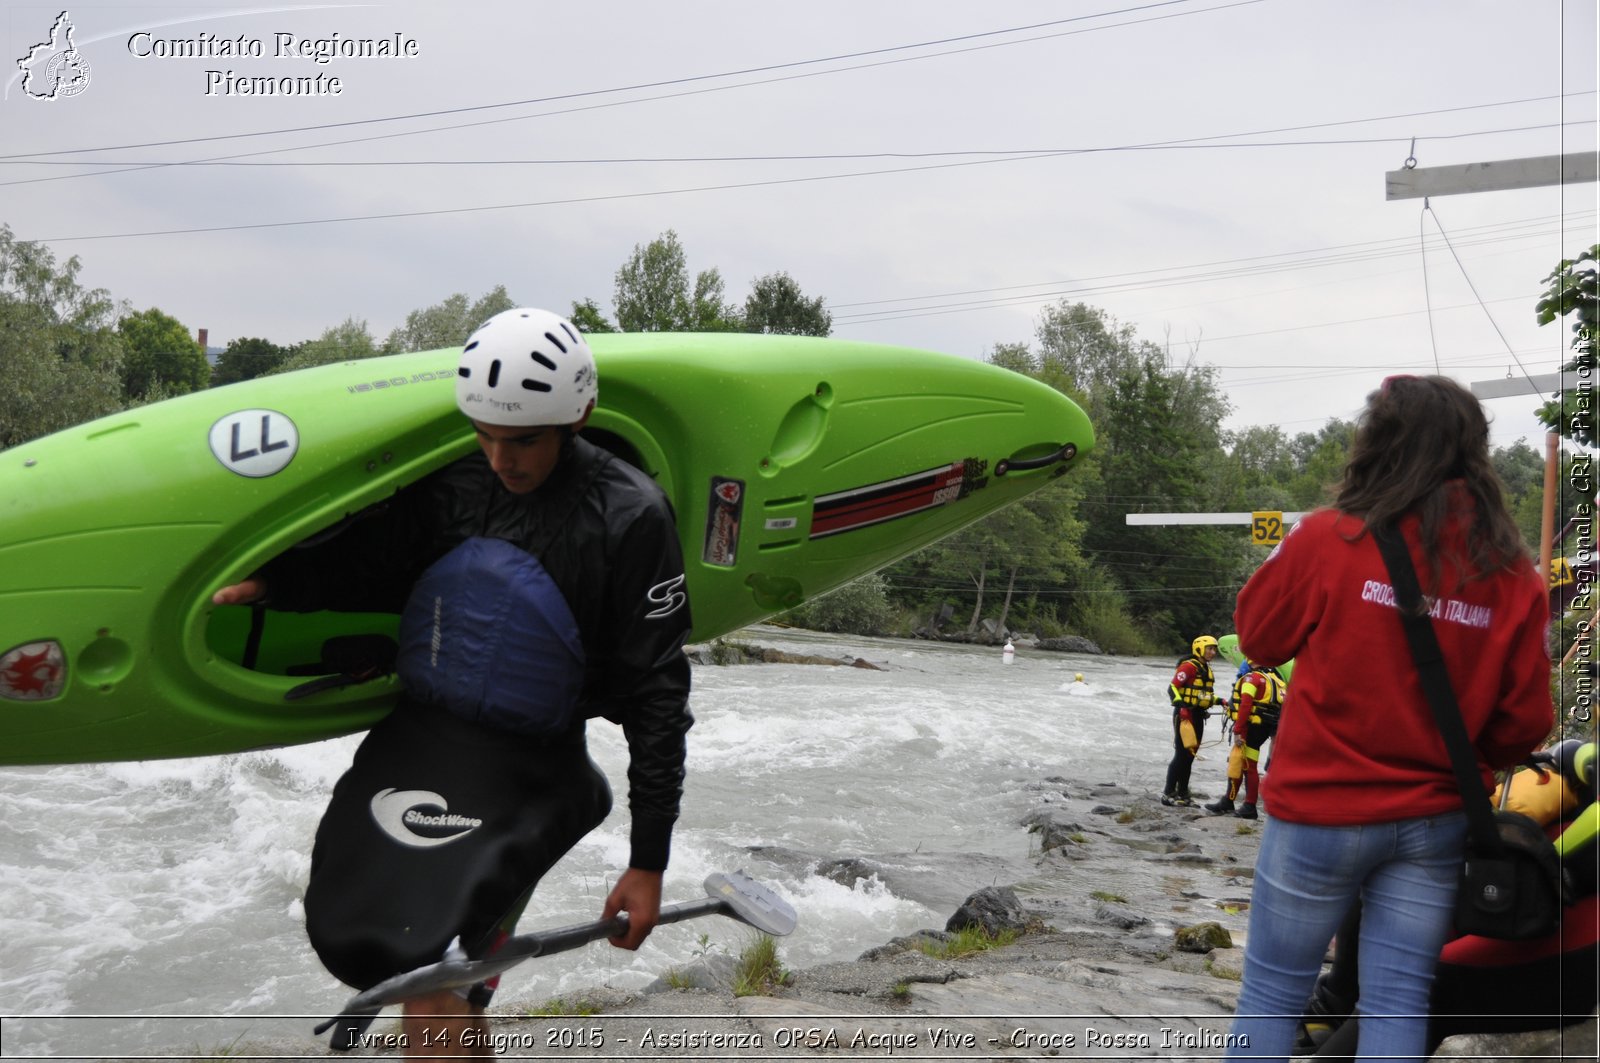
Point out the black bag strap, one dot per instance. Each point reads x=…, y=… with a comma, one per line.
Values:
x=1436, y=685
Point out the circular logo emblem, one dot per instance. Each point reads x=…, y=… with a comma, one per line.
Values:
x=420, y=819
x=255, y=443
x=66, y=74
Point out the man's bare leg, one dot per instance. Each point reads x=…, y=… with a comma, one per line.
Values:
x=443, y=1024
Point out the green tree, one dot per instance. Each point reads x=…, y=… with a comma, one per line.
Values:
x=1015, y=357
x=653, y=292
x=448, y=323
x=588, y=316
x=777, y=305
x=1082, y=351
x=1158, y=449
x=1006, y=561
x=1521, y=470
x=246, y=358
x=1263, y=466
x=708, y=309
x=158, y=349
x=345, y=342
x=63, y=357
x=1320, y=458
x=1574, y=289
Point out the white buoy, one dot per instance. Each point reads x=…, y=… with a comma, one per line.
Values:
x=1008, y=654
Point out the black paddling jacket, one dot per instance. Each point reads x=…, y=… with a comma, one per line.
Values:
x=605, y=533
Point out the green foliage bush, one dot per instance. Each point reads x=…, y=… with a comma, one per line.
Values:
x=759, y=969
x=1100, y=613
x=860, y=607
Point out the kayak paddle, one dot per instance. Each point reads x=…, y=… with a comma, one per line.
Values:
x=733, y=894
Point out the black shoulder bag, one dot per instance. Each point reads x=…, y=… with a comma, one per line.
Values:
x=1512, y=885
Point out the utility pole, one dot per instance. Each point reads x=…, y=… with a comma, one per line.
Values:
x=1411, y=182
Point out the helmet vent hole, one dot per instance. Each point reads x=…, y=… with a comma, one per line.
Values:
x=494, y=373
x=542, y=359
x=535, y=385
x=553, y=338
x=469, y=347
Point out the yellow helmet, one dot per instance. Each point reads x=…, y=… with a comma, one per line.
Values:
x=1201, y=644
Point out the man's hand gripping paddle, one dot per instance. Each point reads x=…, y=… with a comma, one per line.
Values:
x=734, y=894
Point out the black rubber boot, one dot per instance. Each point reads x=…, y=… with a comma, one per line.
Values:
x=1246, y=811
x=1326, y=1011
x=1220, y=807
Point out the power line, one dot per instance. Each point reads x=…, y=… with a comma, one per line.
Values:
x=248, y=161
x=1088, y=291
x=1336, y=254
x=565, y=201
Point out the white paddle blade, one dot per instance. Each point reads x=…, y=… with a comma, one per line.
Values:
x=751, y=902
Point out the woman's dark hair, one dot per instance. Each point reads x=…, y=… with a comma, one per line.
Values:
x=1416, y=435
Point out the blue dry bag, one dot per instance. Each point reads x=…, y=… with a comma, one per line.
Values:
x=487, y=636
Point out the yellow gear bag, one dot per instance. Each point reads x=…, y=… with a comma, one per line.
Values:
x=1542, y=798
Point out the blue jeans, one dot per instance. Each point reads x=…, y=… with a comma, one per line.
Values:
x=1306, y=879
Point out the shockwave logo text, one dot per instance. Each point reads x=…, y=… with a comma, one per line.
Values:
x=399, y=814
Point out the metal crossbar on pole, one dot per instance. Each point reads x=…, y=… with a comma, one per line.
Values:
x=1202, y=518
x=1416, y=182
x=1538, y=384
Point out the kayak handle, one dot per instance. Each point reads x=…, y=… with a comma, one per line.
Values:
x=1067, y=452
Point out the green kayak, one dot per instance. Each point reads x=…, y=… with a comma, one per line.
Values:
x=794, y=465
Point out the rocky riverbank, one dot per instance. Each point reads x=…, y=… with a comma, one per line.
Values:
x=1132, y=920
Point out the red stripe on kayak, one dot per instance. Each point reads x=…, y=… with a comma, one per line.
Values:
x=876, y=503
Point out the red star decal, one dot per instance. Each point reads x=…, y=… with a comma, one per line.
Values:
x=31, y=673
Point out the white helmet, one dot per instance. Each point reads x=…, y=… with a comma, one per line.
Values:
x=526, y=367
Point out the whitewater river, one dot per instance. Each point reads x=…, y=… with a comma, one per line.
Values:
x=155, y=907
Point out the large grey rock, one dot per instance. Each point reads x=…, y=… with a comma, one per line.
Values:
x=992, y=909
x=1069, y=644
x=1569, y=1042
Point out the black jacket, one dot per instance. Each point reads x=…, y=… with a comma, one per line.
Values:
x=605, y=533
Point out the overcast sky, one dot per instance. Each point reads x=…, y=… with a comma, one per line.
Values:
x=1210, y=172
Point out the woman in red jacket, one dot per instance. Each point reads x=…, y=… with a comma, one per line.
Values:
x=1363, y=802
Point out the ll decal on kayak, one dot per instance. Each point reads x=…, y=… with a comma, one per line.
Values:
x=861, y=507
x=255, y=443
x=34, y=671
x=398, y=814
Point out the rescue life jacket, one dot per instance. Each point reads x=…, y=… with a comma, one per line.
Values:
x=1265, y=703
x=1198, y=694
